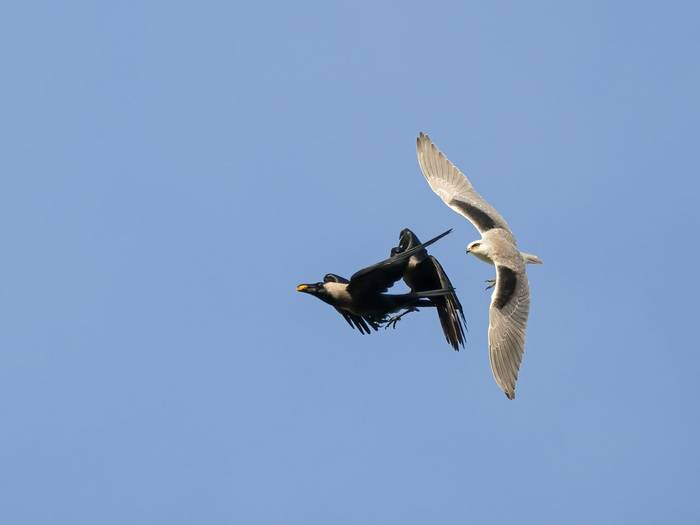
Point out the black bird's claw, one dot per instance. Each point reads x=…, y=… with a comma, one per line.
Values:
x=492, y=283
x=393, y=320
x=391, y=323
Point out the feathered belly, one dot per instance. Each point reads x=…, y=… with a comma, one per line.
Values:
x=377, y=306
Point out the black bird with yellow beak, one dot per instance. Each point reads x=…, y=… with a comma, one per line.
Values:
x=362, y=301
x=424, y=272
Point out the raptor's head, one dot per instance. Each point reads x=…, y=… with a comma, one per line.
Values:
x=480, y=249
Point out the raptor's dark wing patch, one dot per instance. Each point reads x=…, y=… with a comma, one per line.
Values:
x=483, y=220
x=506, y=283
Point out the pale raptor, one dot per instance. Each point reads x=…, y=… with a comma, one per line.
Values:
x=510, y=301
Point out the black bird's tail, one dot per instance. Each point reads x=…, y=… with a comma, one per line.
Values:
x=432, y=293
x=414, y=299
x=449, y=311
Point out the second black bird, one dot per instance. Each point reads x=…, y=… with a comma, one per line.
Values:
x=424, y=272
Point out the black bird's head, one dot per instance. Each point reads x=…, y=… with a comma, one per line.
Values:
x=311, y=288
x=407, y=240
x=319, y=290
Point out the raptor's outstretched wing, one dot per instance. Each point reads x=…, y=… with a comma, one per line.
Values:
x=453, y=187
x=510, y=306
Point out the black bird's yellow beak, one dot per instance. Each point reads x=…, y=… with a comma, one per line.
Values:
x=302, y=287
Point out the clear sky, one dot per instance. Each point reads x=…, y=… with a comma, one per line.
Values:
x=170, y=171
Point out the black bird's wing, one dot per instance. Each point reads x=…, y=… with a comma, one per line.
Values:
x=356, y=321
x=448, y=306
x=379, y=277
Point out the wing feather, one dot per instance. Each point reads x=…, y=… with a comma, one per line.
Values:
x=359, y=322
x=454, y=188
x=507, y=325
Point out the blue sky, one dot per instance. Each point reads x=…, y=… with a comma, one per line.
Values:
x=171, y=170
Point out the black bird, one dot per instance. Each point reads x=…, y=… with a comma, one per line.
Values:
x=424, y=272
x=362, y=301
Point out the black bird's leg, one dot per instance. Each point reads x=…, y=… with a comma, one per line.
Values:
x=393, y=320
x=492, y=283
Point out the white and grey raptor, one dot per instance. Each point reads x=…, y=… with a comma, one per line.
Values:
x=510, y=301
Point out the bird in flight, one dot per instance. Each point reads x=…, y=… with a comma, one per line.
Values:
x=362, y=301
x=424, y=272
x=510, y=301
